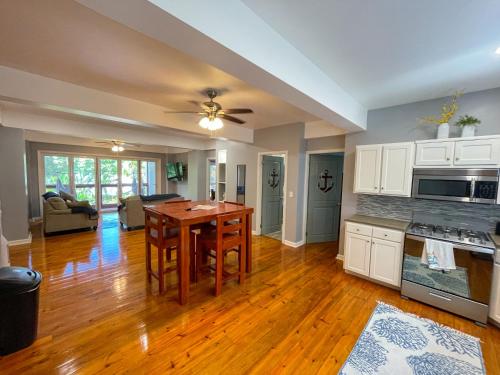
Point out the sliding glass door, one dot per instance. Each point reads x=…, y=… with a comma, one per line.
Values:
x=108, y=169
x=148, y=177
x=56, y=173
x=129, y=178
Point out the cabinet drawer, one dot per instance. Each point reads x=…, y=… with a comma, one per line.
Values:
x=387, y=234
x=365, y=230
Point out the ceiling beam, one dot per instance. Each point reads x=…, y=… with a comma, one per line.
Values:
x=229, y=36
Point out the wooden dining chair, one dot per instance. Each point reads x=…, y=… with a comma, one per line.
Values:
x=230, y=235
x=165, y=237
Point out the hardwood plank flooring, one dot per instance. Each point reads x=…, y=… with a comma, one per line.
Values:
x=298, y=312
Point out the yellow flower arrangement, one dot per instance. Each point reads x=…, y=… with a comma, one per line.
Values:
x=447, y=111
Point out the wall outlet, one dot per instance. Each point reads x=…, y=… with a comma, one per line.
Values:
x=290, y=194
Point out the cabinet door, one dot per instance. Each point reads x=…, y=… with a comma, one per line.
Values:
x=495, y=295
x=357, y=253
x=397, y=167
x=477, y=152
x=385, y=261
x=367, y=170
x=434, y=153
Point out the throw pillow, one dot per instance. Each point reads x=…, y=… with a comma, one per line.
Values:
x=49, y=194
x=57, y=203
x=67, y=196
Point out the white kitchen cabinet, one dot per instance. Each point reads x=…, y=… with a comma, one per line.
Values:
x=495, y=295
x=384, y=169
x=385, y=261
x=477, y=152
x=397, y=167
x=367, y=169
x=357, y=253
x=434, y=153
x=377, y=256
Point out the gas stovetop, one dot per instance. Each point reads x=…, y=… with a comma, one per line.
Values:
x=452, y=234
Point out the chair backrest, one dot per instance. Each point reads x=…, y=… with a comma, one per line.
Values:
x=154, y=223
x=236, y=203
x=234, y=223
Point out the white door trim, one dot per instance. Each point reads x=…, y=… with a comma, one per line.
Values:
x=207, y=177
x=306, y=184
x=258, y=208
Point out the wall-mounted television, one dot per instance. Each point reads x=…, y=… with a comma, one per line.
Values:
x=175, y=171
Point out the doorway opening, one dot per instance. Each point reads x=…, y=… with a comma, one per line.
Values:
x=272, y=195
x=322, y=206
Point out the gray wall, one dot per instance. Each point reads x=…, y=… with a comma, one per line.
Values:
x=32, y=158
x=279, y=138
x=400, y=124
x=326, y=143
x=13, y=194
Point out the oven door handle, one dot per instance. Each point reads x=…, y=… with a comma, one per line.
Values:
x=440, y=296
x=472, y=189
x=476, y=249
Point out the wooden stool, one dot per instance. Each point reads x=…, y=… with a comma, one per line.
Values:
x=230, y=235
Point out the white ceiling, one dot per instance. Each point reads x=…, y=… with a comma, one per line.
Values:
x=390, y=52
x=71, y=43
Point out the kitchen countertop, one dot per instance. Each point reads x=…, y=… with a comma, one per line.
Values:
x=382, y=222
x=496, y=239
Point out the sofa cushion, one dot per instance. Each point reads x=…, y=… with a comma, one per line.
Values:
x=57, y=203
x=67, y=196
x=49, y=194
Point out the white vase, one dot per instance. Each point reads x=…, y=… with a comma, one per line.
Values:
x=443, y=131
x=468, y=131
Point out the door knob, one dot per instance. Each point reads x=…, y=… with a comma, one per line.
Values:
x=457, y=159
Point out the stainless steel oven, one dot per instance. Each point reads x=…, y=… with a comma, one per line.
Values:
x=464, y=291
x=461, y=185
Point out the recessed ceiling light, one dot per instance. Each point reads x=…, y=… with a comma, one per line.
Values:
x=497, y=51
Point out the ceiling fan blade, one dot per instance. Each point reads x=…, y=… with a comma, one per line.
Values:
x=130, y=144
x=237, y=111
x=104, y=142
x=231, y=118
x=180, y=112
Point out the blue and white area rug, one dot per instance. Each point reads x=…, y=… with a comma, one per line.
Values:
x=394, y=342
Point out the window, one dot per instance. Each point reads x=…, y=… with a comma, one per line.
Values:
x=148, y=177
x=129, y=178
x=102, y=187
x=84, y=176
x=56, y=173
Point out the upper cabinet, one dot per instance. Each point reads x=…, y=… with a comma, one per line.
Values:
x=482, y=151
x=384, y=169
x=367, y=171
x=477, y=152
x=434, y=153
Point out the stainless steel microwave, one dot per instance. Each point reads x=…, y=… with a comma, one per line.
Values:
x=460, y=185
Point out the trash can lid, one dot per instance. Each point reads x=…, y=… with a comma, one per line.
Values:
x=14, y=280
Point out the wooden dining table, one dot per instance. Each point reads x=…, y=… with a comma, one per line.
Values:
x=185, y=216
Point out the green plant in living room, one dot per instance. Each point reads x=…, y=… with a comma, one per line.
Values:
x=468, y=124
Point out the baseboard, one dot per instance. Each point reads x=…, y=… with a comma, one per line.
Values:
x=340, y=257
x=293, y=244
x=23, y=241
x=254, y=232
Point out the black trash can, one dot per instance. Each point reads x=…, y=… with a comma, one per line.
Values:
x=19, y=290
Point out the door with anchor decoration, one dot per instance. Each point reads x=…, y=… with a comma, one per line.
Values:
x=273, y=174
x=324, y=197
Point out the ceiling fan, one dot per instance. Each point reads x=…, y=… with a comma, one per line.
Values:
x=116, y=145
x=212, y=112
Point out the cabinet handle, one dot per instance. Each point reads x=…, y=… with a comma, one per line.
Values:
x=375, y=187
x=447, y=159
x=357, y=229
x=385, y=235
x=457, y=159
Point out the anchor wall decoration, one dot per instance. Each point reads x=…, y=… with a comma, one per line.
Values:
x=273, y=181
x=325, y=177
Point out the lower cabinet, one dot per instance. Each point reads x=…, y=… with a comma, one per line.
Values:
x=377, y=258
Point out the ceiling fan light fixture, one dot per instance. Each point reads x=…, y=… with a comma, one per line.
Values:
x=117, y=148
x=211, y=124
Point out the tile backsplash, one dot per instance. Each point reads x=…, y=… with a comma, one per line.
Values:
x=406, y=208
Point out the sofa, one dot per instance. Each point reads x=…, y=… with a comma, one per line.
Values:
x=58, y=215
x=131, y=210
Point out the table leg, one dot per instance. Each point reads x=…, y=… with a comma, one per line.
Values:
x=249, y=244
x=184, y=264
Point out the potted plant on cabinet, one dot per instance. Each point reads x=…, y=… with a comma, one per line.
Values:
x=468, y=125
x=448, y=110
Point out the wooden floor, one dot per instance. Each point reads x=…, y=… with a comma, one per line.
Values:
x=298, y=312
